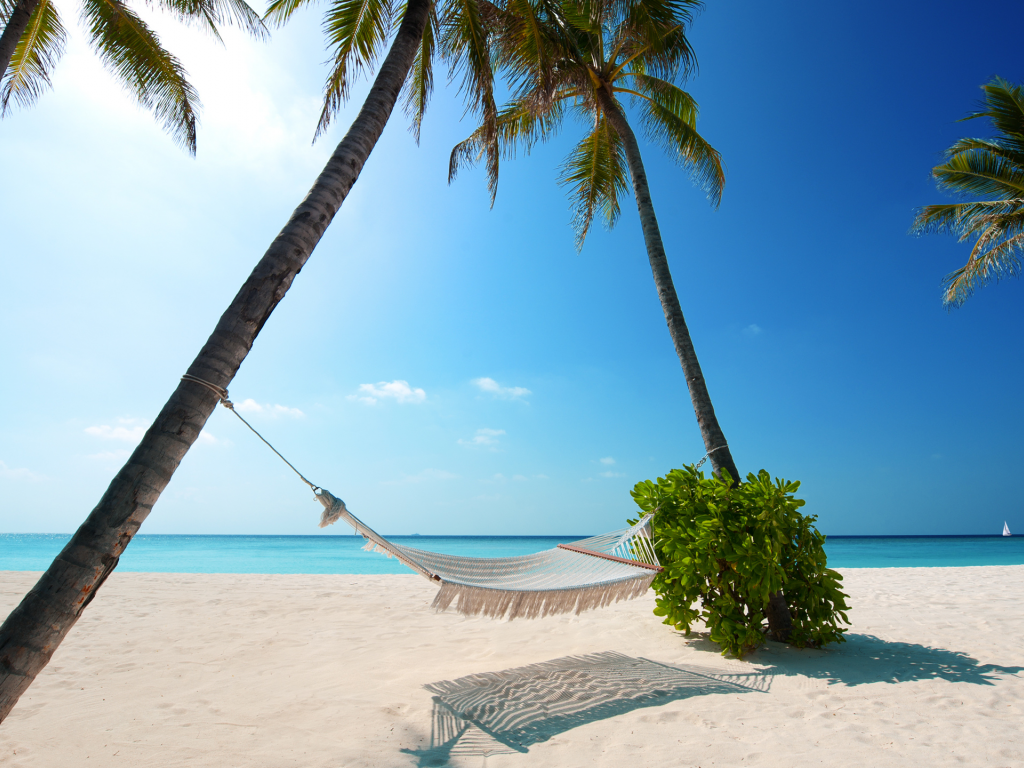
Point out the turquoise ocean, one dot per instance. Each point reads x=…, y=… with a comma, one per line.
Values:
x=166, y=553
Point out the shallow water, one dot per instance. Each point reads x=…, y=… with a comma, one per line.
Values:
x=168, y=553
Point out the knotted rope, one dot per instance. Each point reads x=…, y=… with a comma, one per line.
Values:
x=223, y=395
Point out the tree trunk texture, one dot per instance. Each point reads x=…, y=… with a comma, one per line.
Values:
x=37, y=626
x=780, y=622
x=15, y=28
x=714, y=441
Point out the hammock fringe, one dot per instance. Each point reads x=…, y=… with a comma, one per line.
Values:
x=497, y=604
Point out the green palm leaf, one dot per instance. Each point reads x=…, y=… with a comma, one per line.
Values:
x=133, y=53
x=465, y=46
x=211, y=14
x=280, y=11
x=994, y=168
x=421, y=79
x=358, y=31
x=669, y=117
x=36, y=54
x=596, y=174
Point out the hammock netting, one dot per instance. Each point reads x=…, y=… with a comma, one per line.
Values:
x=571, y=578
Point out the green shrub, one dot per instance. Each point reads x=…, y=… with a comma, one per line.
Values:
x=731, y=548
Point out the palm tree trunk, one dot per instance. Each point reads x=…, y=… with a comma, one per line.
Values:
x=714, y=441
x=780, y=622
x=36, y=627
x=15, y=28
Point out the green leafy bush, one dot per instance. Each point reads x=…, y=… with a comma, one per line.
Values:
x=731, y=547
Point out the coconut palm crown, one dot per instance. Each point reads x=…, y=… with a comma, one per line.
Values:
x=358, y=32
x=992, y=169
x=579, y=57
x=34, y=38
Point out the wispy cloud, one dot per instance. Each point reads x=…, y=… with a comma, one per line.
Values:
x=753, y=330
x=484, y=438
x=491, y=387
x=423, y=476
x=251, y=406
x=18, y=473
x=611, y=474
x=125, y=430
x=607, y=460
x=398, y=390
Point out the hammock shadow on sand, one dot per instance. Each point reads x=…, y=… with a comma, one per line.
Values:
x=508, y=711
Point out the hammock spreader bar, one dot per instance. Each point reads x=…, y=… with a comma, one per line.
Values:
x=571, y=578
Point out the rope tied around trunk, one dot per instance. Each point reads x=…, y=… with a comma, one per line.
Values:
x=222, y=393
x=706, y=455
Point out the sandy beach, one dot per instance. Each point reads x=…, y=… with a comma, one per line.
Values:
x=346, y=671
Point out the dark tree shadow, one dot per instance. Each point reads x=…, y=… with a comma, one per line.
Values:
x=508, y=711
x=868, y=659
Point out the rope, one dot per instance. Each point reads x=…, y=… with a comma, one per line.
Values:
x=706, y=455
x=222, y=393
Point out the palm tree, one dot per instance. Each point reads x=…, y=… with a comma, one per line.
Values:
x=34, y=36
x=358, y=29
x=993, y=169
x=577, y=57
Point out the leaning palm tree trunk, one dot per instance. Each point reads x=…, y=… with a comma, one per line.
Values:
x=780, y=622
x=36, y=627
x=16, y=26
x=714, y=440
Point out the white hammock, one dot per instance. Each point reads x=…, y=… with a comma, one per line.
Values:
x=590, y=573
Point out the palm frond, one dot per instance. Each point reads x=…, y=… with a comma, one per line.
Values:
x=421, y=79
x=358, y=31
x=280, y=11
x=1003, y=104
x=465, y=46
x=980, y=172
x=155, y=77
x=519, y=125
x=36, y=54
x=596, y=174
x=993, y=264
x=669, y=117
x=213, y=14
x=965, y=219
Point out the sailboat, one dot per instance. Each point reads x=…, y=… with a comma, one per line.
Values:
x=1006, y=529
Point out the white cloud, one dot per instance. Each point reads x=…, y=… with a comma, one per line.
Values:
x=494, y=388
x=541, y=477
x=398, y=390
x=425, y=475
x=18, y=473
x=519, y=478
x=251, y=406
x=206, y=437
x=607, y=460
x=486, y=438
x=752, y=330
x=127, y=430
x=611, y=474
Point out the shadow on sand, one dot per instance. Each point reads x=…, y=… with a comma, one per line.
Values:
x=508, y=711
x=866, y=659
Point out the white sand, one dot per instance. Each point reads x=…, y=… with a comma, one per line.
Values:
x=233, y=670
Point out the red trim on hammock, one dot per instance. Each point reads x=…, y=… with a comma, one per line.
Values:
x=592, y=553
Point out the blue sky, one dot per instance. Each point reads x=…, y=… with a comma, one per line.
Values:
x=518, y=387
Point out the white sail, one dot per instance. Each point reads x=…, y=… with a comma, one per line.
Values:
x=1006, y=529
